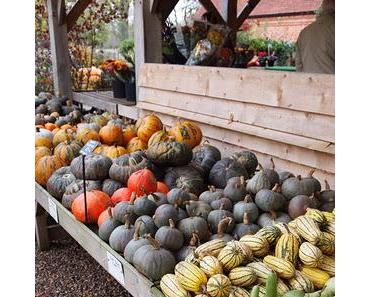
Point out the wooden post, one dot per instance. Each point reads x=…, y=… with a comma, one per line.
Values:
x=41, y=228
x=59, y=50
x=229, y=12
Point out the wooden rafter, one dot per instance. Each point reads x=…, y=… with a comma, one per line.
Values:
x=75, y=12
x=229, y=12
x=209, y=6
x=154, y=6
x=166, y=7
x=248, y=8
x=61, y=12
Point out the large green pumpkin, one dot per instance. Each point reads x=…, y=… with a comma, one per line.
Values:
x=169, y=153
x=206, y=156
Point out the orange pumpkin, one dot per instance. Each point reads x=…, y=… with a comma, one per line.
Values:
x=159, y=136
x=40, y=152
x=67, y=151
x=86, y=134
x=162, y=187
x=142, y=182
x=136, y=144
x=187, y=132
x=110, y=135
x=68, y=126
x=148, y=126
x=106, y=214
x=56, y=130
x=50, y=126
x=97, y=202
x=62, y=136
x=45, y=167
x=127, y=134
x=100, y=149
x=123, y=194
x=114, y=151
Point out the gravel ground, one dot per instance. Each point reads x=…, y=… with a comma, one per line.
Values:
x=67, y=270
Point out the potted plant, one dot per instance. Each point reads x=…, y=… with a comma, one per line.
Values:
x=121, y=73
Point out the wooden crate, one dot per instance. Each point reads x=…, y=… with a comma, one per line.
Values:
x=284, y=115
x=134, y=282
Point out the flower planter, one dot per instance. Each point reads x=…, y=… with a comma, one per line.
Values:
x=130, y=91
x=119, y=90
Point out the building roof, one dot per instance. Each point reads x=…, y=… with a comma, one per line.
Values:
x=273, y=7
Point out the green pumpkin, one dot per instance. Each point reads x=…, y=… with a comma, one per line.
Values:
x=206, y=156
x=225, y=169
x=169, y=153
x=247, y=159
x=258, y=182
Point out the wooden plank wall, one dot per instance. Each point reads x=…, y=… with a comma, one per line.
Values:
x=289, y=116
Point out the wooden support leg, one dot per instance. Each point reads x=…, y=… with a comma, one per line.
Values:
x=42, y=237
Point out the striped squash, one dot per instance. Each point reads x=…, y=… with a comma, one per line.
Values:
x=327, y=264
x=330, y=216
x=218, y=285
x=238, y=292
x=234, y=254
x=191, y=277
x=201, y=295
x=242, y=276
x=210, y=266
x=262, y=292
x=258, y=244
x=317, y=216
x=309, y=254
x=261, y=270
x=270, y=233
x=282, y=267
x=286, y=229
x=191, y=258
x=317, y=276
x=301, y=282
x=171, y=287
x=308, y=229
x=210, y=248
x=327, y=243
x=330, y=228
x=287, y=247
x=281, y=287
x=292, y=224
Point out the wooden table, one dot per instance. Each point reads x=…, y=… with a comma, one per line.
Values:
x=134, y=282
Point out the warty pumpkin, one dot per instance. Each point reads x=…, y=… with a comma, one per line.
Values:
x=159, y=136
x=45, y=167
x=59, y=181
x=97, y=202
x=142, y=182
x=62, y=136
x=187, y=132
x=96, y=167
x=136, y=144
x=85, y=134
x=148, y=126
x=247, y=159
x=153, y=261
x=67, y=151
x=41, y=151
x=206, y=155
x=111, y=135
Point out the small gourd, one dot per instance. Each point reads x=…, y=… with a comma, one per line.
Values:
x=211, y=195
x=245, y=206
x=144, y=206
x=270, y=200
x=258, y=182
x=169, y=237
x=163, y=213
x=210, y=266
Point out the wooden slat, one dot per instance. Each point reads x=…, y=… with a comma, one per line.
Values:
x=88, y=99
x=76, y=12
x=209, y=6
x=131, y=112
x=303, y=156
x=312, y=93
x=139, y=40
x=246, y=11
x=279, y=119
x=135, y=283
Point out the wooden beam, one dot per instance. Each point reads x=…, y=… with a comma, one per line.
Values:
x=61, y=12
x=139, y=40
x=229, y=12
x=76, y=12
x=59, y=52
x=154, y=6
x=209, y=6
x=246, y=11
x=165, y=8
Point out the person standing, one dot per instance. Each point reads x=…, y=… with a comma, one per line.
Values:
x=315, y=48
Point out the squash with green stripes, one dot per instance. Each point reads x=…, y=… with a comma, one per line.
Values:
x=191, y=277
x=327, y=264
x=287, y=229
x=308, y=229
x=301, y=282
x=281, y=287
x=218, y=285
x=282, y=267
x=210, y=248
x=309, y=254
x=270, y=233
x=287, y=247
x=210, y=266
x=191, y=258
x=330, y=216
x=171, y=287
x=317, y=276
x=234, y=254
x=317, y=216
x=261, y=270
x=330, y=227
x=258, y=244
x=238, y=292
x=242, y=276
x=327, y=243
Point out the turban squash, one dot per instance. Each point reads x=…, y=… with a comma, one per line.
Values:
x=96, y=167
x=67, y=151
x=187, y=132
x=41, y=151
x=59, y=181
x=45, y=167
x=169, y=153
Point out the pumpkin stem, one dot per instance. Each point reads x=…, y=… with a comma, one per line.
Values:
x=260, y=166
x=242, y=180
x=222, y=226
x=312, y=171
x=246, y=218
x=137, y=230
x=299, y=177
x=248, y=198
x=276, y=188
x=194, y=241
x=272, y=163
x=110, y=212
x=37, y=129
x=222, y=206
x=172, y=223
x=126, y=219
x=273, y=214
x=327, y=186
x=155, y=244
x=133, y=197
x=212, y=189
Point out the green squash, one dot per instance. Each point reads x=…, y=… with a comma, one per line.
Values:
x=169, y=153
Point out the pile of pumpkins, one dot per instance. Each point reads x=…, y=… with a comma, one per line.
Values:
x=161, y=195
